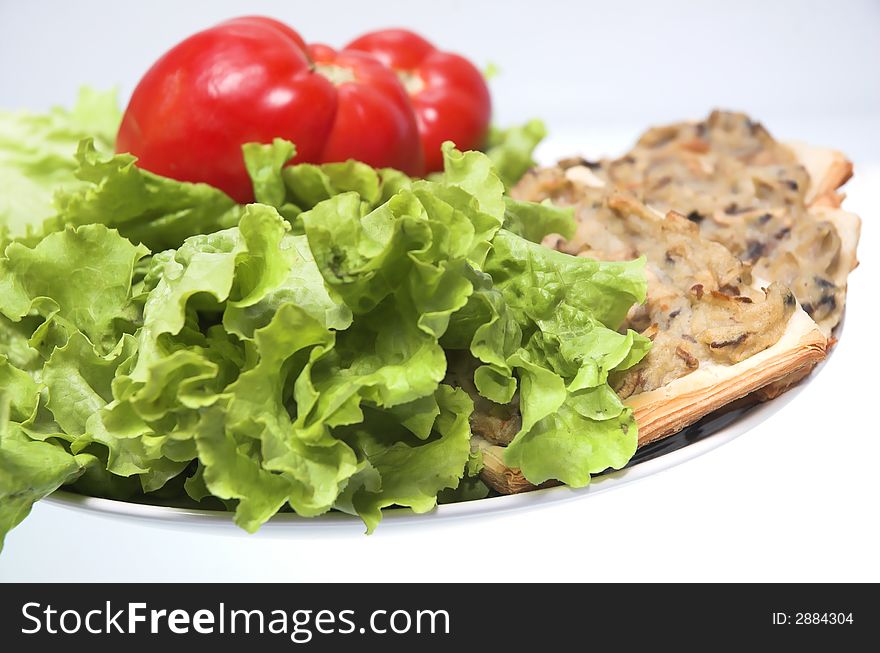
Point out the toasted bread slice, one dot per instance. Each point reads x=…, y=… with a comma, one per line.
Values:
x=682, y=402
x=828, y=170
x=668, y=409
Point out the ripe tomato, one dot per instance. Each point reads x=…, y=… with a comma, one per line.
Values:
x=449, y=95
x=251, y=79
x=374, y=120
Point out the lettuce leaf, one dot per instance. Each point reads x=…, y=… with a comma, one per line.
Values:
x=534, y=221
x=510, y=150
x=29, y=471
x=79, y=279
x=160, y=342
x=36, y=157
x=312, y=466
x=146, y=208
x=412, y=471
x=569, y=308
x=293, y=189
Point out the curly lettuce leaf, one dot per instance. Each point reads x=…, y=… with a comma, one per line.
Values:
x=388, y=361
x=536, y=281
x=19, y=392
x=488, y=330
x=573, y=424
x=264, y=164
x=15, y=345
x=412, y=471
x=292, y=189
x=37, y=157
x=534, y=221
x=80, y=279
x=302, y=286
x=79, y=381
x=241, y=264
x=294, y=352
x=79, y=388
x=473, y=172
x=146, y=208
x=313, y=465
x=233, y=472
x=29, y=471
x=511, y=149
x=181, y=368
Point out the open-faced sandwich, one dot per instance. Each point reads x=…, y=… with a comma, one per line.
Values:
x=747, y=254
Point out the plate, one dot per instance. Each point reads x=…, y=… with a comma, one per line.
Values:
x=711, y=432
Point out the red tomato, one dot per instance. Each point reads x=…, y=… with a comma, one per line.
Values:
x=250, y=79
x=449, y=95
x=374, y=120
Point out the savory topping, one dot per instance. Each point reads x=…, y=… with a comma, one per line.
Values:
x=746, y=191
x=701, y=305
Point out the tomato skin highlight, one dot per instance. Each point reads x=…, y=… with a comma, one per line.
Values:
x=449, y=95
x=252, y=80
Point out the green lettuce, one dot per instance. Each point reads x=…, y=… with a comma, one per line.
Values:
x=29, y=471
x=162, y=343
x=511, y=149
x=293, y=189
x=569, y=308
x=534, y=221
x=146, y=208
x=36, y=157
x=77, y=279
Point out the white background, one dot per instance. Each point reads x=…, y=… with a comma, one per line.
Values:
x=793, y=499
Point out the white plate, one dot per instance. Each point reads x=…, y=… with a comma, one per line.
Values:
x=289, y=523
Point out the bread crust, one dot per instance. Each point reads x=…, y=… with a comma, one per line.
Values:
x=667, y=410
x=828, y=170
